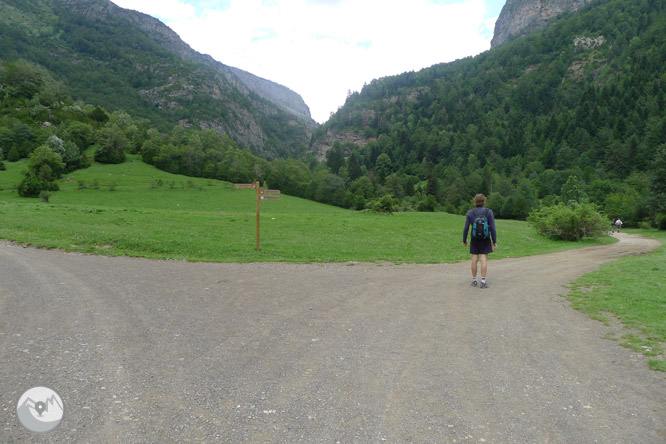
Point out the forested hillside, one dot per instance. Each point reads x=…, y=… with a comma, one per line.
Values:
x=126, y=61
x=574, y=111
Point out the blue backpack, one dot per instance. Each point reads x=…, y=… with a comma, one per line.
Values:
x=480, y=226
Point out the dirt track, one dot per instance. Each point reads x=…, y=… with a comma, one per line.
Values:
x=150, y=351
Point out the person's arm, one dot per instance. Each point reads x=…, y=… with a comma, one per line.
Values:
x=491, y=225
x=466, y=230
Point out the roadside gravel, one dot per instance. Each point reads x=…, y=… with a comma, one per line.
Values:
x=145, y=351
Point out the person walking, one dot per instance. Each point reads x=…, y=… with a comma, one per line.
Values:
x=613, y=225
x=618, y=224
x=482, y=243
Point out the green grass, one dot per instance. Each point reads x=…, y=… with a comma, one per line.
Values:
x=633, y=290
x=135, y=209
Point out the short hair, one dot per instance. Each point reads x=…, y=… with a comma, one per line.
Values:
x=479, y=200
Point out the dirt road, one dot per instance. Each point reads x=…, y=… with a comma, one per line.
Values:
x=148, y=351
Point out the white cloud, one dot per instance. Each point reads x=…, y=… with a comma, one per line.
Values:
x=323, y=48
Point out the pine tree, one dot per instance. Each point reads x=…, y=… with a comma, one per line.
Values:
x=13, y=155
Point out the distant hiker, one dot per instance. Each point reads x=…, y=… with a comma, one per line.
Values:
x=613, y=226
x=483, y=239
x=618, y=224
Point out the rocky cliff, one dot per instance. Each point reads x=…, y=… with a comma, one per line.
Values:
x=519, y=16
x=274, y=92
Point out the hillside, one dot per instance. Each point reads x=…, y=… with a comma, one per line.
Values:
x=573, y=111
x=125, y=60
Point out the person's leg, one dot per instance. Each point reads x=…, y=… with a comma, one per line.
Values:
x=475, y=260
x=484, y=266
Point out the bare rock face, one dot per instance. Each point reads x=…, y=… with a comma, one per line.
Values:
x=274, y=92
x=529, y=15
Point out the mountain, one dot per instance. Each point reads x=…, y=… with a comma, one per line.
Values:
x=124, y=60
x=523, y=16
x=577, y=105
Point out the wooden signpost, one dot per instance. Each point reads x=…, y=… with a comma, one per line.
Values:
x=261, y=195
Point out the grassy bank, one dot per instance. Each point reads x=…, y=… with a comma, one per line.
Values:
x=135, y=209
x=632, y=290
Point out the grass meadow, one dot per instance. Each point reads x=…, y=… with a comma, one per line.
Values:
x=134, y=209
x=633, y=291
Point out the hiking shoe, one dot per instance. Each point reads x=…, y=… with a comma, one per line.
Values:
x=474, y=283
x=484, y=285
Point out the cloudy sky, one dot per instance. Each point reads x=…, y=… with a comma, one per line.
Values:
x=322, y=49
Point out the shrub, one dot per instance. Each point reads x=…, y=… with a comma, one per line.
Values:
x=45, y=164
x=99, y=115
x=3, y=167
x=645, y=225
x=626, y=205
x=112, y=146
x=383, y=206
x=13, y=155
x=45, y=195
x=31, y=186
x=427, y=204
x=357, y=201
x=568, y=223
x=44, y=167
x=661, y=221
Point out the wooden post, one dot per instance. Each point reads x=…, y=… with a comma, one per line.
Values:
x=258, y=198
x=261, y=195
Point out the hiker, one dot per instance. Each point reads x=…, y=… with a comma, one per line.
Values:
x=618, y=224
x=613, y=226
x=480, y=243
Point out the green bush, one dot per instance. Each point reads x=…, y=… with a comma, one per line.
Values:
x=384, y=205
x=45, y=195
x=427, y=204
x=45, y=164
x=112, y=146
x=13, y=155
x=568, y=223
x=661, y=221
x=32, y=186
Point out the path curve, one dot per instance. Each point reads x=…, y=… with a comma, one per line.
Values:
x=167, y=351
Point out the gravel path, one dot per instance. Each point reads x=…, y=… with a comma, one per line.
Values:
x=146, y=351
